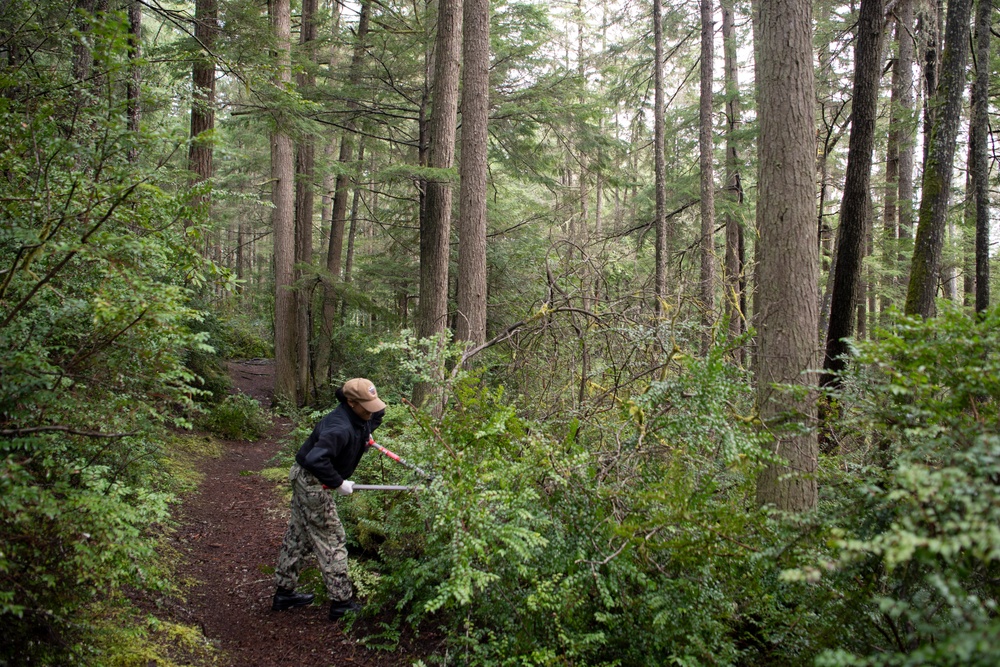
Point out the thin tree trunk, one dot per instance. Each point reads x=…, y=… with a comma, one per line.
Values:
x=936, y=184
x=134, y=107
x=968, y=250
x=339, y=213
x=890, y=217
x=707, y=184
x=353, y=229
x=283, y=217
x=907, y=132
x=949, y=269
x=471, y=320
x=329, y=150
x=242, y=256
x=788, y=253
x=734, y=188
x=979, y=165
x=855, y=211
x=659, y=161
x=335, y=246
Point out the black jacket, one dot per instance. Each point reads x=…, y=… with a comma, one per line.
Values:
x=336, y=445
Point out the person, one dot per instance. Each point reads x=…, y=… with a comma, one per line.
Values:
x=325, y=461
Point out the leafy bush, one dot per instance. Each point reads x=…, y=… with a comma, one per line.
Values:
x=916, y=547
x=533, y=550
x=95, y=314
x=237, y=417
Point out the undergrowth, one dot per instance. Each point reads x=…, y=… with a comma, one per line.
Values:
x=237, y=417
x=638, y=541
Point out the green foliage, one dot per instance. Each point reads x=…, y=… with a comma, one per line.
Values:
x=532, y=549
x=917, y=550
x=237, y=417
x=97, y=273
x=648, y=549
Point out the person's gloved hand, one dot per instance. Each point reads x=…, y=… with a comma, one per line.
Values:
x=346, y=488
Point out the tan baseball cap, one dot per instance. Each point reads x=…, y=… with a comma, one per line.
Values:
x=362, y=391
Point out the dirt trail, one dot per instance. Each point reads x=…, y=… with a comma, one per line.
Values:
x=231, y=529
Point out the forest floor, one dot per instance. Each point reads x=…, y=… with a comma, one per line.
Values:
x=228, y=535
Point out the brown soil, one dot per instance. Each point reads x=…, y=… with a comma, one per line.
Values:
x=229, y=535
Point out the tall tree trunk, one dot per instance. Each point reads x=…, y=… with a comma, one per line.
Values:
x=949, y=269
x=659, y=160
x=435, y=227
x=855, y=212
x=907, y=127
x=338, y=211
x=579, y=237
x=83, y=56
x=134, y=88
x=707, y=181
x=330, y=148
x=203, y=97
x=242, y=255
x=734, y=190
x=283, y=216
x=788, y=254
x=471, y=321
x=979, y=165
x=353, y=229
x=936, y=184
x=930, y=29
x=305, y=173
x=899, y=149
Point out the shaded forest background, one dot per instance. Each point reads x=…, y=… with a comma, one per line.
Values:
x=688, y=308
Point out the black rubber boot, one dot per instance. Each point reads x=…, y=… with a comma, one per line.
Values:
x=338, y=609
x=286, y=599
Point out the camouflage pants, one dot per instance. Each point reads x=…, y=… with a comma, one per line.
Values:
x=314, y=527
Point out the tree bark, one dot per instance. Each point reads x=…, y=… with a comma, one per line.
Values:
x=435, y=224
x=329, y=150
x=435, y=232
x=979, y=167
x=788, y=267
x=203, y=98
x=659, y=161
x=936, y=183
x=736, y=308
x=471, y=321
x=932, y=33
x=855, y=212
x=283, y=216
x=353, y=230
x=907, y=132
x=707, y=184
x=899, y=150
x=305, y=174
x=83, y=57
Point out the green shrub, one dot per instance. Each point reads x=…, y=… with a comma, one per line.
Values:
x=534, y=550
x=237, y=417
x=95, y=325
x=916, y=549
